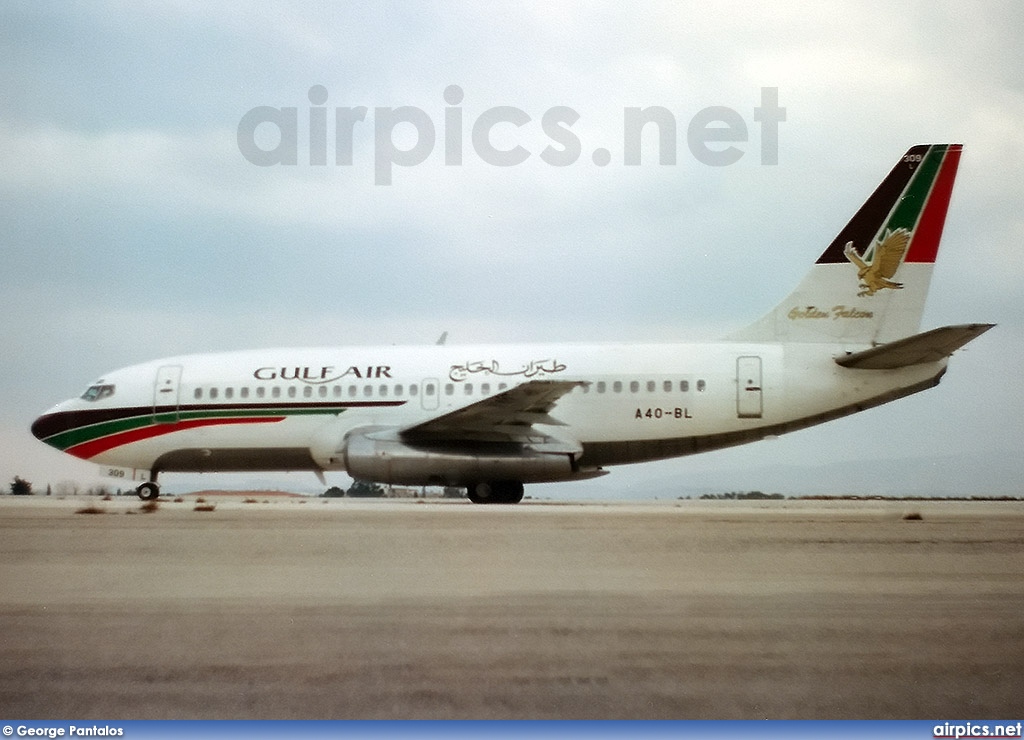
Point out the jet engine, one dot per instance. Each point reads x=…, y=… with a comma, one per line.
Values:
x=384, y=457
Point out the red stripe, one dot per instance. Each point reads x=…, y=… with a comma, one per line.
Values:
x=89, y=449
x=925, y=245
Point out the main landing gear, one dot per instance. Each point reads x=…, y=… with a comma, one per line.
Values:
x=495, y=492
x=148, y=491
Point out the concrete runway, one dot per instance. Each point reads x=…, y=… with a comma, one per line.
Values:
x=350, y=609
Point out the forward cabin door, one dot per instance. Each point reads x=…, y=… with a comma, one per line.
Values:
x=166, y=391
x=749, y=402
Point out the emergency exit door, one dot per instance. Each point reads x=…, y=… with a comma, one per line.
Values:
x=749, y=401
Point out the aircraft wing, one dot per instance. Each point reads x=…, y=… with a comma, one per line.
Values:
x=509, y=416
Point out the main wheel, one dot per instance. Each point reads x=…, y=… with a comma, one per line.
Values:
x=495, y=492
x=148, y=491
x=508, y=492
x=480, y=493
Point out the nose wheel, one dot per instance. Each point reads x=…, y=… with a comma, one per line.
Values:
x=148, y=491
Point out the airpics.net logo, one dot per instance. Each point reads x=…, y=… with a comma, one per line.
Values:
x=406, y=136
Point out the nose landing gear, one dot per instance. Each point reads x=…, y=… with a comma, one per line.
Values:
x=148, y=491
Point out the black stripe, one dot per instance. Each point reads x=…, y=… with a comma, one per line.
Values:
x=869, y=219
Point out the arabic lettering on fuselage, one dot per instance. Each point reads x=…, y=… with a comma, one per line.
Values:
x=533, y=369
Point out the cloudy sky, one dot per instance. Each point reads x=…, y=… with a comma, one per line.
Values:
x=134, y=227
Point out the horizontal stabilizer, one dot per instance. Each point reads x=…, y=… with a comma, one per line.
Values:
x=931, y=346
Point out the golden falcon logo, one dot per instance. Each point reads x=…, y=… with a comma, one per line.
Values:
x=887, y=257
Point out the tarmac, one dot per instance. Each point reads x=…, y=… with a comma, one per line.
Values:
x=340, y=609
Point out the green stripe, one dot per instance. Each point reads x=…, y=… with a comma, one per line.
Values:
x=909, y=208
x=911, y=203
x=80, y=435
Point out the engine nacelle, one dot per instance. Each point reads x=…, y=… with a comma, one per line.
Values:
x=384, y=458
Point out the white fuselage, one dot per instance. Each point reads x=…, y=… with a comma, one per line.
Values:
x=281, y=409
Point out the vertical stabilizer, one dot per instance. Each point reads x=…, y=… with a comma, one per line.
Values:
x=869, y=285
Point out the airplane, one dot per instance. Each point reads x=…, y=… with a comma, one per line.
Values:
x=491, y=418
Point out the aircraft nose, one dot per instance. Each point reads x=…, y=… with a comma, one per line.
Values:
x=54, y=421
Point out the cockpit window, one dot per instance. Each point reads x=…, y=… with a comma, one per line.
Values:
x=96, y=392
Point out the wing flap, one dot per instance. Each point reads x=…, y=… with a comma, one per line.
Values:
x=931, y=346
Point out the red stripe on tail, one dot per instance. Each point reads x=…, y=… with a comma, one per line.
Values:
x=925, y=244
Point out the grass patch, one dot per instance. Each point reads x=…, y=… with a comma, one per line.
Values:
x=149, y=507
x=92, y=510
x=205, y=507
x=912, y=516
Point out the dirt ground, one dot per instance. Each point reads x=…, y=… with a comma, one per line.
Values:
x=349, y=609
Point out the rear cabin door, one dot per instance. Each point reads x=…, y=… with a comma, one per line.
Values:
x=166, y=392
x=749, y=402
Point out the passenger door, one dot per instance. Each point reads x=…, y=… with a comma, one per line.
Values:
x=166, y=392
x=749, y=402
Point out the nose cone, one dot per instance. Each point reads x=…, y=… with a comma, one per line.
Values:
x=53, y=422
x=39, y=427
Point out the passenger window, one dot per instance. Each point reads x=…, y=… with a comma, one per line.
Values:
x=634, y=387
x=399, y=389
x=429, y=389
x=684, y=386
x=650, y=386
x=292, y=391
x=323, y=391
x=261, y=392
x=601, y=386
x=468, y=389
x=351, y=391
x=368, y=391
x=485, y=388
x=667, y=387
x=337, y=391
x=502, y=386
x=198, y=394
x=307, y=392
x=413, y=389
x=229, y=393
x=244, y=392
x=213, y=393
x=383, y=391
x=275, y=391
x=449, y=389
x=701, y=385
x=617, y=386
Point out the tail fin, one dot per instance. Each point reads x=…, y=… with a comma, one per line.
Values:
x=870, y=284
